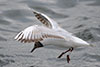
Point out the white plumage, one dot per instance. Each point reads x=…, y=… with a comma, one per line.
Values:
x=37, y=33
x=51, y=29
x=50, y=34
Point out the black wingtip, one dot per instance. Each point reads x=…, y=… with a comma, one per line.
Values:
x=34, y=12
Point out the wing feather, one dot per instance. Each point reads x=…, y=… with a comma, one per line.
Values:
x=47, y=21
x=37, y=33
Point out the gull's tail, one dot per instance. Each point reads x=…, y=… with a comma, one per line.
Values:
x=92, y=45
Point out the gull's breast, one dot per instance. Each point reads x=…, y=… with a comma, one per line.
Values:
x=74, y=42
x=57, y=42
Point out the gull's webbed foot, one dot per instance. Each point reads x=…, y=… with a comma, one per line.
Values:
x=68, y=58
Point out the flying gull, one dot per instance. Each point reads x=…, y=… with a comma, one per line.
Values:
x=50, y=33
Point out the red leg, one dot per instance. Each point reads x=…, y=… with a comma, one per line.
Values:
x=63, y=53
x=70, y=49
x=68, y=58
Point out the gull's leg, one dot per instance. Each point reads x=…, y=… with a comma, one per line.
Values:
x=71, y=49
x=63, y=53
x=68, y=57
x=37, y=45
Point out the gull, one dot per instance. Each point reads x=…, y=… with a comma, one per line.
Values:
x=50, y=33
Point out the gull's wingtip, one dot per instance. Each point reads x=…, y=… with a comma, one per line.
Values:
x=35, y=12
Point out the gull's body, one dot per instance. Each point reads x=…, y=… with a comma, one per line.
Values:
x=68, y=41
x=49, y=34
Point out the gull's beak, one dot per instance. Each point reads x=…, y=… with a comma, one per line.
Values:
x=33, y=49
x=37, y=45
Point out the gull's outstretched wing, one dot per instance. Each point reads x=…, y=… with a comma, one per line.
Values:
x=37, y=33
x=45, y=20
